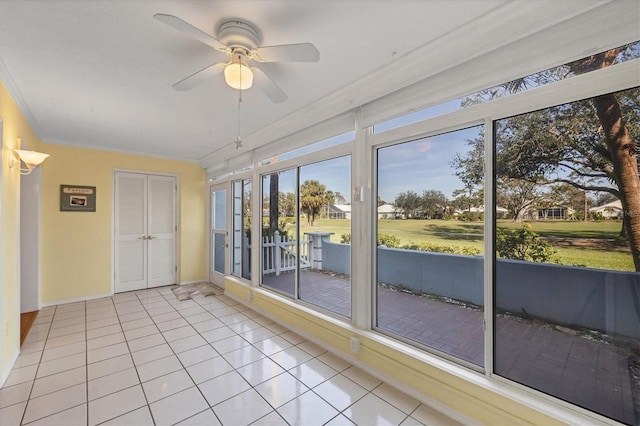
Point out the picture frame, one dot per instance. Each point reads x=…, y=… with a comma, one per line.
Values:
x=77, y=198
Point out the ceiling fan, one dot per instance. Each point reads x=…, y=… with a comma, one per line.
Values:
x=240, y=41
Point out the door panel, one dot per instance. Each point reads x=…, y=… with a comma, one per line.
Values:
x=131, y=248
x=161, y=204
x=162, y=230
x=132, y=270
x=161, y=268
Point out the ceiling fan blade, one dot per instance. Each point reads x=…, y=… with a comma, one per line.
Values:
x=301, y=52
x=268, y=86
x=199, y=76
x=190, y=30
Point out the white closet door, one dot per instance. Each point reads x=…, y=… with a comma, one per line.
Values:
x=131, y=232
x=145, y=231
x=162, y=230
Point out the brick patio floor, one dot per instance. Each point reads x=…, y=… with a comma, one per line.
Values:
x=586, y=372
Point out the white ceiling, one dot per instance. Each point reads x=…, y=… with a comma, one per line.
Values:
x=99, y=73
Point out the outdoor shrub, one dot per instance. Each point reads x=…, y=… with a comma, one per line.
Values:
x=523, y=244
x=471, y=216
x=283, y=229
x=436, y=248
x=383, y=240
x=388, y=240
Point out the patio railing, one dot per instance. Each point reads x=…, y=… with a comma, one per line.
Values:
x=279, y=254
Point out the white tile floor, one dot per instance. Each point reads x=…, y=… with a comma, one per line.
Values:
x=145, y=358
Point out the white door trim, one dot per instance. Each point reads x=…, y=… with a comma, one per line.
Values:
x=211, y=273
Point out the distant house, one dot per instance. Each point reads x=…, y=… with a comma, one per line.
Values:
x=343, y=211
x=387, y=211
x=339, y=211
x=551, y=213
x=612, y=210
x=501, y=212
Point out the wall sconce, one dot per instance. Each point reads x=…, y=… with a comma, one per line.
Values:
x=31, y=160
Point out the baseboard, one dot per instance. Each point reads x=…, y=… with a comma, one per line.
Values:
x=77, y=299
x=192, y=282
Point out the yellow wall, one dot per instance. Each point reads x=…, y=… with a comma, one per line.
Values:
x=475, y=396
x=76, y=247
x=14, y=126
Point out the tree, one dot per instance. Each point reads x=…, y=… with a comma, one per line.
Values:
x=517, y=196
x=408, y=203
x=287, y=203
x=467, y=198
x=339, y=198
x=569, y=196
x=603, y=198
x=433, y=204
x=469, y=168
x=622, y=150
x=274, y=201
x=312, y=198
x=590, y=144
x=329, y=200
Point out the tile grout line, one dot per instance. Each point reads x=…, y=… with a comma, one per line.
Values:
x=140, y=299
x=210, y=407
x=33, y=383
x=35, y=378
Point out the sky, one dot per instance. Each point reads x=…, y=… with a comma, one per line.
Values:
x=427, y=161
x=418, y=166
x=423, y=164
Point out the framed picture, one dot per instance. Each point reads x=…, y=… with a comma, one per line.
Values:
x=76, y=198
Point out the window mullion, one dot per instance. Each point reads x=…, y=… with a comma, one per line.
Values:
x=489, y=252
x=361, y=244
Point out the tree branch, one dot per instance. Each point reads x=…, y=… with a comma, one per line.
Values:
x=585, y=187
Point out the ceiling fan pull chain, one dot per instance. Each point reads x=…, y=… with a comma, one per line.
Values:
x=239, y=139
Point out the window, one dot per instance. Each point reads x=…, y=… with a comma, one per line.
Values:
x=280, y=231
x=567, y=285
x=241, y=255
x=325, y=230
x=429, y=243
x=622, y=54
x=314, y=147
x=306, y=228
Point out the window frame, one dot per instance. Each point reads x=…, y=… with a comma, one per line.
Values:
x=620, y=77
x=296, y=163
x=427, y=133
x=363, y=151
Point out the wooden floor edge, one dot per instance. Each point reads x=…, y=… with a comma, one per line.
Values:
x=26, y=321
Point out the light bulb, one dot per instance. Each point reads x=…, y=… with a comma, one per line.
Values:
x=238, y=76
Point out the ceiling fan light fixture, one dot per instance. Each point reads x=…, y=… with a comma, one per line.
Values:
x=238, y=76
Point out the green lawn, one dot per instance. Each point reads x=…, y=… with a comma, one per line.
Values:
x=458, y=233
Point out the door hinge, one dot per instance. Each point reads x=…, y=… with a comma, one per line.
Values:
x=176, y=268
